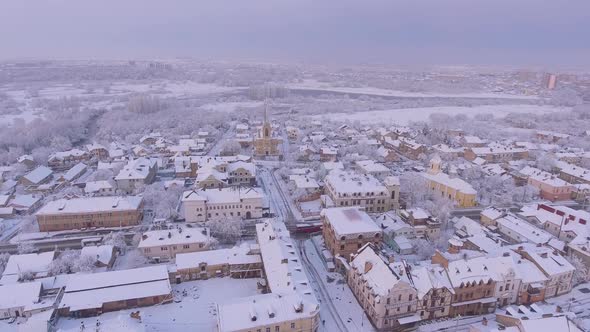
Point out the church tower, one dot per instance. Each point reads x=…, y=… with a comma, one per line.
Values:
x=435, y=165
x=265, y=144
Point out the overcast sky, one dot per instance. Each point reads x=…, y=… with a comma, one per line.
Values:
x=518, y=32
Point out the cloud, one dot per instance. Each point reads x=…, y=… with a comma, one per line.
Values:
x=392, y=31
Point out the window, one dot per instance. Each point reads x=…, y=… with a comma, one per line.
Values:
x=410, y=297
x=277, y=328
x=292, y=325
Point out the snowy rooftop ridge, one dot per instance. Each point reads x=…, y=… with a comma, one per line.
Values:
x=91, y=205
x=282, y=265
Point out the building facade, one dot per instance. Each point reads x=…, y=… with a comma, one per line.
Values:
x=78, y=213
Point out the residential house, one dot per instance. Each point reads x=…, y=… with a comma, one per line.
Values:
x=36, y=177
x=136, y=174
x=60, y=161
x=165, y=244
x=237, y=262
x=550, y=186
x=382, y=289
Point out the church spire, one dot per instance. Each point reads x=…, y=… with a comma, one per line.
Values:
x=265, y=110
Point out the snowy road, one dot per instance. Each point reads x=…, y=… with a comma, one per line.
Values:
x=324, y=294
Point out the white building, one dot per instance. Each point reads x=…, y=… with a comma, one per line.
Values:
x=165, y=244
x=347, y=188
x=136, y=174
x=204, y=204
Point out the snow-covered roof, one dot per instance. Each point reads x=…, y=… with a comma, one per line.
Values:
x=348, y=182
x=248, y=313
x=95, y=186
x=523, y=230
x=102, y=253
x=38, y=174
x=473, y=271
x=174, y=236
x=304, y=182
x=24, y=201
x=468, y=226
x=330, y=165
x=231, y=256
x=455, y=183
x=282, y=266
x=95, y=146
x=492, y=213
x=222, y=195
x=497, y=149
x=136, y=169
x=75, y=171
x=231, y=167
x=91, y=205
x=573, y=170
x=36, y=263
x=425, y=278
x=350, y=221
x=547, y=259
x=370, y=166
x=89, y=291
x=548, y=324
x=473, y=140
x=19, y=295
x=77, y=153
x=544, y=177
x=375, y=271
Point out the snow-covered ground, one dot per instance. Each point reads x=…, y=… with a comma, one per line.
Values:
x=194, y=312
x=319, y=86
x=230, y=106
x=404, y=116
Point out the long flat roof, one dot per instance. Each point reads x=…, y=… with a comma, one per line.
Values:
x=91, y=205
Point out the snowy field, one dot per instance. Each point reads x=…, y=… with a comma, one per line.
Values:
x=195, y=312
x=230, y=106
x=404, y=116
x=319, y=86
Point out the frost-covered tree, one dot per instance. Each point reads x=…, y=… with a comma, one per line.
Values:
x=414, y=188
x=231, y=147
x=227, y=231
x=66, y=262
x=164, y=202
x=117, y=240
x=581, y=274
x=25, y=248
x=3, y=261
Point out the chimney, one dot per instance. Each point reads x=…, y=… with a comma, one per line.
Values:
x=368, y=266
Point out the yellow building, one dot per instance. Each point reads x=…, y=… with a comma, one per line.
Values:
x=455, y=189
x=265, y=144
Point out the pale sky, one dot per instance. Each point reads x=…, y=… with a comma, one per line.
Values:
x=514, y=32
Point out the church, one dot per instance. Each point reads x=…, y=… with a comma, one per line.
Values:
x=266, y=145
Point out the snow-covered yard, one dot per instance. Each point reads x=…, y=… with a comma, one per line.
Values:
x=193, y=309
